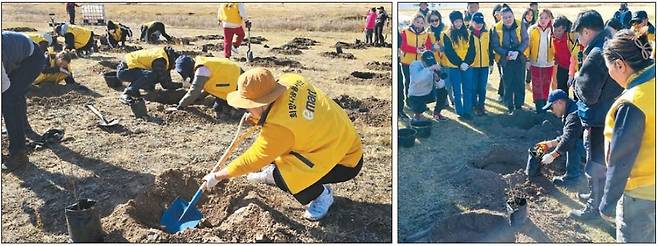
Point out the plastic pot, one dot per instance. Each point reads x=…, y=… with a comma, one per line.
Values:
x=423, y=128
x=83, y=222
x=138, y=106
x=111, y=79
x=518, y=210
x=406, y=137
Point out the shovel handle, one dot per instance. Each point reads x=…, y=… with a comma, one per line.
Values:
x=96, y=112
x=193, y=202
x=237, y=139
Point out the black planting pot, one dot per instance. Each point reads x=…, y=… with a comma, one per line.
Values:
x=518, y=209
x=111, y=79
x=406, y=137
x=83, y=222
x=423, y=128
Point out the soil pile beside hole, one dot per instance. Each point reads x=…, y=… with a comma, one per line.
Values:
x=208, y=37
x=370, y=111
x=194, y=53
x=187, y=118
x=126, y=49
x=472, y=227
x=366, y=78
x=272, y=61
x=480, y=189
x=358, y=44
x=343, y=55
x=20, y=29
x=380, y=66
x=520, y=186
x=254, y=40
x=165, y=96
x=214, y=47
x=300, y=43
x=112, y=64
x=502, y=161
x=286, y=50
x=57, y=96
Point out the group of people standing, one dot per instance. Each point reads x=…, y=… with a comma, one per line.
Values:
x=609, y=66
x=375, y=21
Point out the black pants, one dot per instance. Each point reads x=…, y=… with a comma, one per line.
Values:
x=369, y=36
x=338, y=174
x=401, y=90
x=562, y=77
x=501, y=85
x=147, y=31
x=14, y=106
x=379, y=33
x=72, y=17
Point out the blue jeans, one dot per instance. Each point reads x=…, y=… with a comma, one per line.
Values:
x=14, y=106
x=462, y=82
x=636, y=220
x=480, y=77
x=138, y=78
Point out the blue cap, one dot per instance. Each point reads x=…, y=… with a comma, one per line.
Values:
x=478, y=18
x=185, y=66
x=554, y=96
x=428, y=58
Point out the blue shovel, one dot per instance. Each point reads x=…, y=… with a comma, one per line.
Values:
x=182, y=215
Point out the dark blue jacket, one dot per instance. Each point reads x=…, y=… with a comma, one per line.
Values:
x=572, y=131
x=595, y=89
x=16, y=47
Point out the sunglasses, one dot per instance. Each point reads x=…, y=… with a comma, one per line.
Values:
x=434, y=20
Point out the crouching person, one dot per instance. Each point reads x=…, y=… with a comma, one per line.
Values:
x=117, y=32
x=213, y=75
x=77, y=38
x=144, y=68
x=307, y=136
x=57, y=70
x=426, y=86
x=151, y=31
x=567, y=144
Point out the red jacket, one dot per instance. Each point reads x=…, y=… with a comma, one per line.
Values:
x=370, y=20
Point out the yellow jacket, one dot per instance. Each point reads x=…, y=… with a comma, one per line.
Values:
x=116, y=34
x=37, y=38
x=223, y=75
x=414, y=40
x=534, y=39
x=482, y=50
x=305, y=134
x=143, y=59
x=498, y=28
x=81, y=35
x=229, y=13
x=641, y=182
x=461, y=48
x=53, y=77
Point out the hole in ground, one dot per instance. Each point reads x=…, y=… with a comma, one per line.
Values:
x=473, y=226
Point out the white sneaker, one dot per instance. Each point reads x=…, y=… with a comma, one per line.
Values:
x=320, y=206
x=266, y=176
x=235, y=50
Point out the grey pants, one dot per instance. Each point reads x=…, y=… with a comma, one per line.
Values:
x=636, y=220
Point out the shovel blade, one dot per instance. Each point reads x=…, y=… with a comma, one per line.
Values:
x=172, y=221
x=113, y=122
x=250, y=56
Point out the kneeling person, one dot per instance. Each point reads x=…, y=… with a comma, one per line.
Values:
x=564, y=107
x=309, y=138
x=77, y=38
x=57, y=69
x=151, y=32
x=215, y=76
x=144, y=68
x=117, y=32
x=426, y=86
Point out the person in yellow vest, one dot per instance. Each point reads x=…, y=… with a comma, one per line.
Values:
x=144, y=68
x=151, y=31
x=43, y=40
x=630, y=139
x=436, y=28
x=541, y=58
x=415, y=40
x=459, y=50
x=77, y=38
x=308, y=138
x=483, y=61
x=213, y=75
x=57, y=70
x=509, y=40
x=231, y=16
x=117, y=32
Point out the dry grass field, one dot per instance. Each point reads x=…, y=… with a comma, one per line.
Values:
x=122, y=168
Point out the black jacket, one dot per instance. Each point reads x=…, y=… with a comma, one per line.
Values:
x=595, y=89
x=572, y=131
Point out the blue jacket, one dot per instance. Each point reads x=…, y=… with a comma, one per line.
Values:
x=16, y=47
x=595, y=89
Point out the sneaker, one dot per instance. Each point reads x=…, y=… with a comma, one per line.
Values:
x=266, y=176
x=564, y=180
x=126, y=99
x=465, y=117
x=235, y=50
x=15, y=162
x=586, y=214
x=403, y=116
x=583, y=197
x=320, y=206
x=439, y=117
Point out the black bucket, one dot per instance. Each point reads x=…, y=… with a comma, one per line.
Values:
x=138, y=106
x=83, y=222
x=423, y=128
x=406, y=137
x=111, y=79
x=518, y=209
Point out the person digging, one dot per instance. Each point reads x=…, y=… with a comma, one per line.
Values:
x=151, y=31
x=77, y=38
x=563, y=107
x=144, y=68
x=117, y=33
x=308, y=138
x=213, y=75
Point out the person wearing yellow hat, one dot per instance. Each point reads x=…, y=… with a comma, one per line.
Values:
x=306, y=142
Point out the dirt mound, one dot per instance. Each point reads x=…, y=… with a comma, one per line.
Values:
x=126, y=49
x=20, y=29
x=518, y=185
x=58, y=96
x=286, y=50
x=187, y=40
x=301, y=43
x=370, y=111
x=105, y=66
x=358, y=44
x=521, y=119
x=214, y=47
x=254, y=40
x=271, y=61
x=333, y=54
x=473, y=226
x=233, y=211
x=194, y=53
x=380, y=66
x=481, y=189
x=366, y=78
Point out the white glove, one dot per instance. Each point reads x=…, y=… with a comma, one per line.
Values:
x=463, y=66
x=515, y=54
x=440, y=84
x=211, y=181
x=491, y=69
x=527, y=65
x=548, y=158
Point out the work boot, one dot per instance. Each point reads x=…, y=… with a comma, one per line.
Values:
x=583, y=197
x=320, y=206
x=15, y=162
x=588, y=213
x=266, y=176
x=564, y=180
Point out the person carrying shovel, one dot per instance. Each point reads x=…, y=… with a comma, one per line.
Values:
x=214, y=75
x=564, y=107
x=144, y=68
x=231, y=16
x=305, y=134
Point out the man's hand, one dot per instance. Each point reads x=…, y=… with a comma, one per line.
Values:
x=464, y=66
x=213, y=179
x=549, y=158
x=435, y=67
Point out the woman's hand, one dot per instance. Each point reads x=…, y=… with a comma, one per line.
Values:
x=214, y=178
